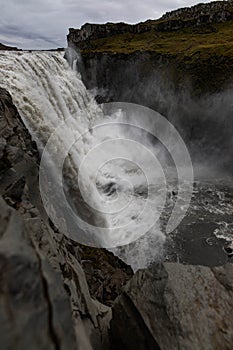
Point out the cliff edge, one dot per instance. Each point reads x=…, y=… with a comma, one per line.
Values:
x=188, y=17
x=195, y=44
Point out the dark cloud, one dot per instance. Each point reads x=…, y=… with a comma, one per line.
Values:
x=44, y=23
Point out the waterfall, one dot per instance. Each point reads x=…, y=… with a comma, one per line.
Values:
x=59, y=113
x=46, y=91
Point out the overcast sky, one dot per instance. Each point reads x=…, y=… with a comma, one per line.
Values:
x=44, y=23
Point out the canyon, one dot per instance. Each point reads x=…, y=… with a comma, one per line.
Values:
x=56, y=293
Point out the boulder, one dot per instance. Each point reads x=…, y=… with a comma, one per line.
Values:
x=174, y=306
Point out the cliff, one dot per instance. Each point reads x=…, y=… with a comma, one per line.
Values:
x=194, y=44
x=195, y=16
x=180, y=65
x=214, y=12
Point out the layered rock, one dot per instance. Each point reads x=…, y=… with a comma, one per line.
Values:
x=173, y=306
x=90, y=31
x=214, y=12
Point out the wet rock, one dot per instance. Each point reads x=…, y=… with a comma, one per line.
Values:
x=106, y=274
x=228, y=249
x=174, y=306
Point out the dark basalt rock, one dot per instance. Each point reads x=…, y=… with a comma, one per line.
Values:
x=106, y=275
x=90, y=31
x=178, y=307
x=8, y=48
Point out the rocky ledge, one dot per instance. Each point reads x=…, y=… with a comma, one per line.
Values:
x=213, y=12
x=56, y=294
x=8, y=48
x=195, y=16
x=173, y=306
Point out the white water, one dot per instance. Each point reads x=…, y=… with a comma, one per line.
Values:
x=47, y=93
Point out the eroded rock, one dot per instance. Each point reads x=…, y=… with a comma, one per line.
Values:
x=178, y=307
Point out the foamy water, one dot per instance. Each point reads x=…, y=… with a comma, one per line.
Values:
x=48, y=93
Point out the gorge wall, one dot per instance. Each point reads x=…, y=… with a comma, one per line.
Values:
x=180, y=65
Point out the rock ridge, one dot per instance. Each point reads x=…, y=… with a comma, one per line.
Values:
x=195, y=16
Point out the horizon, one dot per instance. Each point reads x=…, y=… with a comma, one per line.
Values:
x=45, y=25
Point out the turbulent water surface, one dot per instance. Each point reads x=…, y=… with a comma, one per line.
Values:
x=48, y=93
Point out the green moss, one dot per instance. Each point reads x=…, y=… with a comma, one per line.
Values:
x=187, y=41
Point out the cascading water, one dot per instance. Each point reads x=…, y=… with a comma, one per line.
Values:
x=45, y=91
x=109, y=186
x=48, y=93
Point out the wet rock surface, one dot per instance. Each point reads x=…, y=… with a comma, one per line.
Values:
x=105, y=274
x=174, y=306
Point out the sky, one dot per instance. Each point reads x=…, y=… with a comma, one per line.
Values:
x=44, y=24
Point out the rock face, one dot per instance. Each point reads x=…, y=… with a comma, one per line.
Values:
x=174, y=306
x=106, y=275
x=148, y=79
x=214, y=12
x=190, y=84
x=34, y=306
x=90, y=31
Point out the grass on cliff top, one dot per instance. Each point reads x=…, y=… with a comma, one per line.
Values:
x=187, y=43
